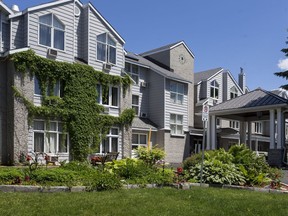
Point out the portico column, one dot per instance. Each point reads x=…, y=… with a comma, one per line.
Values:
x=242, y=132
x=213, y=132
x=272, y=129
x=249, y=135
x=280, y=134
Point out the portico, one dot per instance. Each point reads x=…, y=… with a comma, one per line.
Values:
x=256, y=106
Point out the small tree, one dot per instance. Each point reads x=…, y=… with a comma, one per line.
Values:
x=150, y=157
x=284, y=74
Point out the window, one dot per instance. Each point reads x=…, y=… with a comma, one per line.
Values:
x=51, y=32
x=214, y=89
x=258, y=127
x=110, y=144
x=138, y=140
x=176, y=92
x=110, y=97
x=52, y=90
x=234, y=124
x=135, y=104
x=106, y=48
x=176, y=124
x=133, y=71
x=49, y=137
x=233, y=92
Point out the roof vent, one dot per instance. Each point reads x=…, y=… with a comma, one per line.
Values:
x=15, y=8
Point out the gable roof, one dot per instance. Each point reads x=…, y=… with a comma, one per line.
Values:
x=6, y=8
x=139, y=60
x=205, y=75
x=143, y=124
x=168, y=47
x=257, y=98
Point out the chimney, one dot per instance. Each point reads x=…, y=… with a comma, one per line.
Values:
x=242, y=80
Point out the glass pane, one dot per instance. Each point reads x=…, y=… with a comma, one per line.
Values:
x=63, y=143
x=52, y=126
x=135, y=69
x=135, y=78
x=143, y=139
x=45, y=35
x=38, y=125
x=38, y=142
x=46, y=19
x=114, y=96
x=112, y=55
x=52, y=141
x=62, y=85
x=216, y=93
x=135, y=138
x=135, y=99
x=114, y=131
x=180, y=99
x=105, y=97
x=60, y=127
x=57, y=23
x=173, y=87
x=173, y=129
x=181, y=88
x=173, y=118
x=127, y=67
x=101, y=52
x=173, y=97
x=179, y=129
x=179, y=119
x=114, y=145
x=36, y=86
x=105, y=145
x=111, y=41
x=102, y=38
x=59, y=39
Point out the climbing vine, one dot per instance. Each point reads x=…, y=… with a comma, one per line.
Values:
x=78, y=106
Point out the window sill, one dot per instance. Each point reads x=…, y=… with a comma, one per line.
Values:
x=177, y=135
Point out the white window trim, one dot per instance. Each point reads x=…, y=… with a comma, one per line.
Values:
x=100, y=95
x=109, y=136
x=177, y=124
x=177, y=93
x=234, y=91
x=52, y=34
x=107, y=53
x=45, y=131
x=258, y=128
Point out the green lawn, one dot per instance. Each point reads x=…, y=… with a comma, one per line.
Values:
x=166, y=201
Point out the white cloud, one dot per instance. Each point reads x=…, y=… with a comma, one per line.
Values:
x=283, y=64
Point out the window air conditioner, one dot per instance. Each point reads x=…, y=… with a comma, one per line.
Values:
x=107, y=67
x=52, y=52
x=143, y=84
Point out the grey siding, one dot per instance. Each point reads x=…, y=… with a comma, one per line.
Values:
x=231, y=83
x=65, y=13
x=97, y=27
x=162, y=57
x=5, y=36
x=81, y=35
x=18, y=32
x=156, y=99
x=219, y=80
x=225, y=89
x=173, y=108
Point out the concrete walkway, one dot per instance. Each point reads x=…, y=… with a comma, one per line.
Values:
x=284, y=178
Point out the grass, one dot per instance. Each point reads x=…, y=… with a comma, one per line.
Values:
x=165, y=201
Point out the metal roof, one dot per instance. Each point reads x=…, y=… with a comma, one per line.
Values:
x=257, y=98
x=205, y=75
x=137, y=59
x=143, y=124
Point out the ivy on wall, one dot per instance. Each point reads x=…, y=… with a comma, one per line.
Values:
x=78, y=106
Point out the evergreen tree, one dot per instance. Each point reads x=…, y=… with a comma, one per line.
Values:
x=284, y=74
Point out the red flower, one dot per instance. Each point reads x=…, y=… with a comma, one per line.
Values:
x=46, y=157
x=179, y=170
x=28, y=158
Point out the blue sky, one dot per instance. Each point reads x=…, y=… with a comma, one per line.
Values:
x=223, y=33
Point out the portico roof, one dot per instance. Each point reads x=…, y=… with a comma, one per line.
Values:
x=255, y=103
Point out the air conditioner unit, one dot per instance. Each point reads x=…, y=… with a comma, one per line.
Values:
x=143, y=115
x=143, y=84
x=52, y=52
x=107, y=67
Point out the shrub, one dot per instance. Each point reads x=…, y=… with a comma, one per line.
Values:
x=11, y=176
x=150, y=157
x=100, y=181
